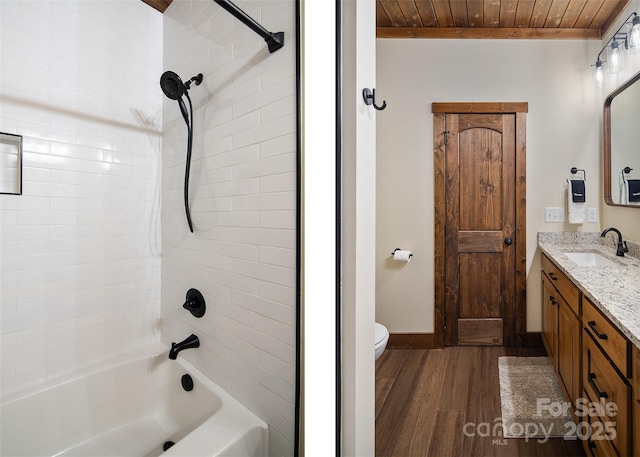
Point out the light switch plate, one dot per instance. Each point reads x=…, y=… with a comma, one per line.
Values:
x=592, y=214
x=554, y=214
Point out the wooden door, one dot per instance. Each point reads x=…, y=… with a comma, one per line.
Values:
x=481, y=237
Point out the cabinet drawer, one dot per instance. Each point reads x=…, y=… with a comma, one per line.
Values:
x=607, y=335
x=597, y=445
x=569, y=292
x=602, y=384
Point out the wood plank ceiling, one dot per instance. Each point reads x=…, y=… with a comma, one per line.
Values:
x=160, y=5
x=552, y=19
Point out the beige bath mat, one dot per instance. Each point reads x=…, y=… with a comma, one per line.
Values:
x=531, y=400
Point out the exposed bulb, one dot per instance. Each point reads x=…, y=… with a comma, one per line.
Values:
x=634, y=36
x=599, y=74
x=614, y=60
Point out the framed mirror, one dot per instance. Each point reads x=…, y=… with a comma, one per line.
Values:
x=622, y=145
x=10, y=164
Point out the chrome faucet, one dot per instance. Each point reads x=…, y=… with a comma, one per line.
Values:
x=189, y=342
x=622, y=245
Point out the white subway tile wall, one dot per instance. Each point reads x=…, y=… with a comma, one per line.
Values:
x=243, y=200
x=80, y=249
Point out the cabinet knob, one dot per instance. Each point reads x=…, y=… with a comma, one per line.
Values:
x=508, y=241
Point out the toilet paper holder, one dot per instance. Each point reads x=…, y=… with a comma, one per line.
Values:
x=398, y=249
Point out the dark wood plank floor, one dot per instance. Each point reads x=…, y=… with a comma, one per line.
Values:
x=424, y=398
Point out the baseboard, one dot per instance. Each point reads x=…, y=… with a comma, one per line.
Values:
x=534, y=340
x=427, y=340
x=411, y=341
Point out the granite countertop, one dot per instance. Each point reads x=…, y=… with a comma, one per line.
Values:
x=615, y=290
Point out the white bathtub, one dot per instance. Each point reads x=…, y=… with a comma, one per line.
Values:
x=130, y=408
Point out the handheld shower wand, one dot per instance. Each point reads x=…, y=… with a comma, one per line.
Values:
x=174, y=88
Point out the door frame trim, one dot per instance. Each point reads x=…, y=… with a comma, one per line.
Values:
x=439, y=111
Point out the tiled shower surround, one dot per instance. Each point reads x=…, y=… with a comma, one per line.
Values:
x=96, y=256
x=80, y=249
x=241, y=255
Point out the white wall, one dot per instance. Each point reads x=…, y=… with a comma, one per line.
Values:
x=358, y=229
x=563, y=130
x=80, y=279
x=242, y=253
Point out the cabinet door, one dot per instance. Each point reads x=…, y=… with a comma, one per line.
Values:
x=550, y=320
x=568, y=350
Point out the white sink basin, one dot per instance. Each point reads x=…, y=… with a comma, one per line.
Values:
x=590, y=259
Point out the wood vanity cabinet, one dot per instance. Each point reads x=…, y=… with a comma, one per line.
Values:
x=561, y=330
x=595, y=364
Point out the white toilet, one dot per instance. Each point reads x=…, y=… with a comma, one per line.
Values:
x=381, y=337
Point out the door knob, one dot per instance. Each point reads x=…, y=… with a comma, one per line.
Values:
x=508, y=241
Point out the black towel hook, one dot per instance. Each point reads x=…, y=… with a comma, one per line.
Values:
x=370, y=99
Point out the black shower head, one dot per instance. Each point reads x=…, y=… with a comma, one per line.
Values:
x=172, y=85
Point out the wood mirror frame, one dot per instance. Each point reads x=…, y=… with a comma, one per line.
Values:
x=607, y=141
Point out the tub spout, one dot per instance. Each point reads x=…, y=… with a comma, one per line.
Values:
x=191, y=341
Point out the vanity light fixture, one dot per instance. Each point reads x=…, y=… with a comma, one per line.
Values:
x=629, y=39
x=634, y=35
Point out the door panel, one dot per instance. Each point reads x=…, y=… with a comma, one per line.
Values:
x=481, y=192
x=480, y=241
x=479, y=298
x=480, y=332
